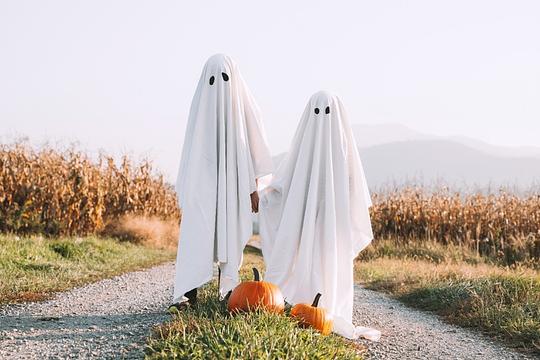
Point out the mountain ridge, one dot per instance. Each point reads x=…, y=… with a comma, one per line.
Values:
x=368, y=135
x=396, y=155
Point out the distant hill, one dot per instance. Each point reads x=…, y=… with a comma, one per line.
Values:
x=393, y=154
x=503, y=151
x=430, y=161
x=371, y=135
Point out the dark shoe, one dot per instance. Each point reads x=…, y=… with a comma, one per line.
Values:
x=192, y=296
x=225, y=300
x=178, y=307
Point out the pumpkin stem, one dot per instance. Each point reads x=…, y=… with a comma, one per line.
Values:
x=256, y=275
x=316, y=301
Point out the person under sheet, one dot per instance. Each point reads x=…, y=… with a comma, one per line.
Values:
x=315, y=215
x=225, y=151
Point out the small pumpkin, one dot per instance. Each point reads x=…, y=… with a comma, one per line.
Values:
x=251, y=295
x=313, y=316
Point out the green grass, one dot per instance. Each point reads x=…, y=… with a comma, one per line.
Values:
x=208, y=331
x=33, y=268
x=466, y=290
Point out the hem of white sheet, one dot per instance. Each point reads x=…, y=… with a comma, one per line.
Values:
x=348, y=330
x=367, y=333
x=226, y=284
x=360, y=332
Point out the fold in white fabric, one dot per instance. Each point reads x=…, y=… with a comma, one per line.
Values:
x=224, y=151
x=315, y=215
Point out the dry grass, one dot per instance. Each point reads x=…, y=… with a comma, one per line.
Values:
x=56, y=192
x=397, y=275
x=152, y=232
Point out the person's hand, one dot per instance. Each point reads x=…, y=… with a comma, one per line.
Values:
x=254, y=202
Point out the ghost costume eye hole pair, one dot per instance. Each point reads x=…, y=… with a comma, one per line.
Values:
x=326, y=111
x=223, y=75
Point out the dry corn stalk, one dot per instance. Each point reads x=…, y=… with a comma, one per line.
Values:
x=65, y=192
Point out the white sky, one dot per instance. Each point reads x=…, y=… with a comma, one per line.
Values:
x=120, y=74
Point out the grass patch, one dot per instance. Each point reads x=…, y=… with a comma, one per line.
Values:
x=429, y=251
x=33, y=268
x=209, y=331
x=466, y=290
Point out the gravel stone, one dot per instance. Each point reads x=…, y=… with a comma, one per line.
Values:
x=109, y=319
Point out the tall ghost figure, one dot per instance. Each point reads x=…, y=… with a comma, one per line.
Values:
x=315, y=215
x=225, y=151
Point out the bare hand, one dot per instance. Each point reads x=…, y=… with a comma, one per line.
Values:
x=254, y=202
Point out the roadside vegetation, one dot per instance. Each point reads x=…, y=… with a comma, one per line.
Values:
x=69, y=219
x=208, y=331
x=33, y=268
x=52, y=192
x=501, y=225
x=463, y=288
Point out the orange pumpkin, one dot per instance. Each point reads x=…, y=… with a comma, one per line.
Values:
x=251, y=295
x=313, y=316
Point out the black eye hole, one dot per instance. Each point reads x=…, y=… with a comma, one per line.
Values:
x=212, y=80
x=327, y=110
x=316, y=110
x=225, y=77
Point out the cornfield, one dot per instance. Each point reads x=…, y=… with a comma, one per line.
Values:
x=503, y=225
x=55, y=192
x=66, y=193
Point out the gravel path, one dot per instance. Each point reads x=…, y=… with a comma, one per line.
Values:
x=111, y=319
x=412, y=334
x=104, y=320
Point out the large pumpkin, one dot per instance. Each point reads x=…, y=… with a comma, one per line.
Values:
x=313, y=316
x=251, y=295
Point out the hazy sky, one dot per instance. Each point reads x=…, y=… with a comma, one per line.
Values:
x=120, y=74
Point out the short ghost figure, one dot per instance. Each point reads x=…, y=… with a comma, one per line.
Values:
x=315, y=215
x=224, y=152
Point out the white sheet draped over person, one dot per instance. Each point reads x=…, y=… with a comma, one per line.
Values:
x=315, y=215
x=224, y=152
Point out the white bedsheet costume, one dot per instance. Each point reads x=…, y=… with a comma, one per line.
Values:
x=224, y=151
x=315, y=215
